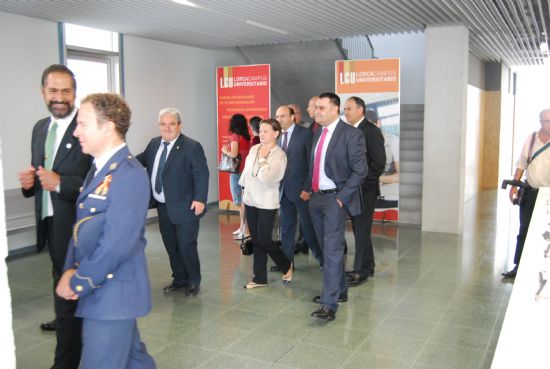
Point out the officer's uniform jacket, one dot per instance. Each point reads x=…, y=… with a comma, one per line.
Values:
x=108, y=243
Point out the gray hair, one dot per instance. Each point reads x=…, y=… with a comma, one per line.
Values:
x=170, y=111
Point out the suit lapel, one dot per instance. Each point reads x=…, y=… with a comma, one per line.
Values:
x=333, y=143
x=292, y=140
x=41, y=144
x=68, y=143
x=174, y=151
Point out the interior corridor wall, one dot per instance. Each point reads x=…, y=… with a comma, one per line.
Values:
x=411, y=49
x=161, y=74
x=27, y=46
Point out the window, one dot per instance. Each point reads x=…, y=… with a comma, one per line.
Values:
x=93, y=56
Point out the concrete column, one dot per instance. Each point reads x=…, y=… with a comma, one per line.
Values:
x=445, y=129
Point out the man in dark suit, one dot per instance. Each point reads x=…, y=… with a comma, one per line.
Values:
x=337, y=169
x=313, y=125
x=295, y=140
x=54, y=178
x=105, y=267
x=179, y=179
x=363, y=266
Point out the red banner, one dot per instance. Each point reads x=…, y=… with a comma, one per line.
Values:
x=242, y=90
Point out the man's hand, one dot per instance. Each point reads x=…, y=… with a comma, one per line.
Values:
x=339, y=202
x=198, y=206
x=26, y=177
x=513, y=193
x=48, y=179
x=304, y=196
x=64, y=289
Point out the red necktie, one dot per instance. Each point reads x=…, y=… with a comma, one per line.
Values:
x=317, y=161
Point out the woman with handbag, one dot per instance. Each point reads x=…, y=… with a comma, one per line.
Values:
x=263, y=171
x=239, y=144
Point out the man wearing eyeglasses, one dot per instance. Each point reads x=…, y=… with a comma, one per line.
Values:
x=295, y=141
x=534, y=161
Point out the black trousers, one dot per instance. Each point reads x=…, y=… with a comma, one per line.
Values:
x=526, y=208
x=69, y=327
x=180, y=241
x=362, y=225
x=260, y=223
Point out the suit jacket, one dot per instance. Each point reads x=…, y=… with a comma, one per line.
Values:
x=376, y=154
x=108, y=243
x=184, y=178
x=71, y=165
x=345, y=164
x=298, y=153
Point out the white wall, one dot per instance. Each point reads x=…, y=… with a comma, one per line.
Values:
x=160, y=74
x=7, y=344
x=411, y=49
x=445, y=129
x=27, y=46
x=474, y=142
x=476, y=72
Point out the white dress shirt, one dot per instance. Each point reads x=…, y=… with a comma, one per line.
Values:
x=325, y=183
x=288, y=135
x=62, y=125
x=103, y=159
x=160, y=196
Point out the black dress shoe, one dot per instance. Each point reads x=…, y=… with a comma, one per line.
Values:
x=511, y=274
x=173, y=287
x=49, y=326
x=193, y=290
x=317, y=299
x=301, y=247
x=324, y=314
x=356, y=279
x=349, y=273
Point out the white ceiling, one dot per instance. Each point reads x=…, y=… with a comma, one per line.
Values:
x=500, y=30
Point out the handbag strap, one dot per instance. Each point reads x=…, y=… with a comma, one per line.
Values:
x=538, y=152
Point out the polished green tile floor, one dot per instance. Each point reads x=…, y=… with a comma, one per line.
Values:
x=435, y=302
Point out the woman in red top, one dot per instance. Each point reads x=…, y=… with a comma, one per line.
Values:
x=239, y=144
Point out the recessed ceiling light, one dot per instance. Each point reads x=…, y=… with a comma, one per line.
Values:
x=265, y=26
x=186, y=3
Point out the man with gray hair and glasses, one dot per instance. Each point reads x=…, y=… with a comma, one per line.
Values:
x=178, y=171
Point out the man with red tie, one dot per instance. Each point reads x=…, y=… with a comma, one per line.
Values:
x=337, y=169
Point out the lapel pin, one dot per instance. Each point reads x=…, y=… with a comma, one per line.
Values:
x=177, y=147
x=68, y=146
x=113, y=166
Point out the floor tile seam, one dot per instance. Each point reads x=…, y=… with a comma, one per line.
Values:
x=432, y=333
x=354, y=352
x=219, y=353
x=493, y=331
x=31, y=347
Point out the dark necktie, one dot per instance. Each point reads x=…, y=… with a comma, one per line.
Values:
x=90, y=176
x=162, y=162
x=285, y=141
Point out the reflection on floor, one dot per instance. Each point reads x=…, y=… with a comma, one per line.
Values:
x=436, y=302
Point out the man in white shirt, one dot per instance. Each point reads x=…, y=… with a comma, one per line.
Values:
x=534, y=161
x=338, y=167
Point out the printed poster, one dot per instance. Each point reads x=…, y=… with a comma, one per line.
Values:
x=377, y=82
x=243, y=89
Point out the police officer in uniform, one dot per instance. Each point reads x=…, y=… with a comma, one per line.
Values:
x=105, y=268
